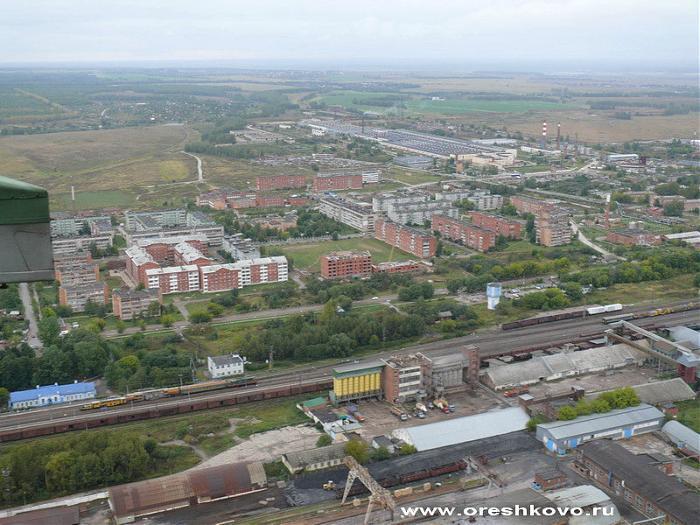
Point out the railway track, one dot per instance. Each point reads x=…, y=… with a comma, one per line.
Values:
x=54, y=420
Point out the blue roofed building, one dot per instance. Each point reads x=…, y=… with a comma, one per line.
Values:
x=51, y=395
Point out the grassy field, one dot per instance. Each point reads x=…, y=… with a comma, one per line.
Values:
x=462, y=106
x=677, y=288
x=307, y=256
x=412, y=177
x=689, y=414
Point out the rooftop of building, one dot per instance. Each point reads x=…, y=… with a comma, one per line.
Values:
x=174, y=240
x=224, y=360
x=188, y=252
x=347, y=254
x=304, y=458
x=595, y=423
x=127, y=294
x=172, y=269
x=239, y=265
x=51, y=390
x=362, y=366
x=644, y=479
x=660, y=392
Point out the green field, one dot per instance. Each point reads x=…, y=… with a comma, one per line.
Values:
x=689, y=414
x=307, y=256
x=87, y=200
x=459, y=106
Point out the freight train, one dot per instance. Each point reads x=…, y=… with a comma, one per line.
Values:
x=183, y=390
x=570, y=314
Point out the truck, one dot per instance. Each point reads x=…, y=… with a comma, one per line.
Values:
x=421, y=407
x=516, y=391
x=399, y=413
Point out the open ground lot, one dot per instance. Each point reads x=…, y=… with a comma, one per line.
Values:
x=307, y=256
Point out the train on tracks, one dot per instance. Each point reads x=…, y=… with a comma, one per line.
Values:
x=182, y=390
x=167, y=407
x=597, y=310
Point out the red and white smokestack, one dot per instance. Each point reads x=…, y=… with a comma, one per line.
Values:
x=544, y=133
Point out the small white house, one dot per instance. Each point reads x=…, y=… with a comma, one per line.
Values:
x=225, y=365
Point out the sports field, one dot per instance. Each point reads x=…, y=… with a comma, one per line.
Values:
x=307, y=256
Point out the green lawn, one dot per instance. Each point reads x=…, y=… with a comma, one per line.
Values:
x=459, y=106
x=689, y=414
x=413, y=177
x=92, y=199
x=307, y=256
x=676, y=288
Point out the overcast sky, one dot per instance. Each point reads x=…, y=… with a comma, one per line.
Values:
x=647, y=34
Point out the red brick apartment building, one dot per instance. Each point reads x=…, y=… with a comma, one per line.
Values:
x=337, y=265
x=471, y=236
x=528, y=205
x=219, y=277
x=405, y=238
x=280, y=182
x=128, y=304
x=340, y=181
x=173, y=279
x=510, y=228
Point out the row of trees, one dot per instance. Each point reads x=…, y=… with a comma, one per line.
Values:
x=605, y=402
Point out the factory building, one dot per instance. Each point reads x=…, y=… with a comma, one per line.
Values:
x=129, y=304
x=357, y=215
x=357, y=381
x=464, y=429
x=418, y=162
x=509, y=228
x=406, y=378
x=686, y=439
x=641, y=483
x=468, y=235
x=559, y=366
x=338, y=265
x=280, y=182
x=315, y=458
x=622, y=423
x=337, y=182
x=420, y=212
x=405, y=238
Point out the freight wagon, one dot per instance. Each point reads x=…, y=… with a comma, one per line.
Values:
x=571, y=314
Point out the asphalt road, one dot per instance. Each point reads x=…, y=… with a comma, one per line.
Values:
x=491, y=343
x=33, y=335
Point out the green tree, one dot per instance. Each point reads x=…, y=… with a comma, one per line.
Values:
x=167, y=320
x=324, y=440
x=49, y=330
x=358, y=449
x=567, y=413
x=4, y=396
x=200, y=317
x=407, y=449
x=381, y=454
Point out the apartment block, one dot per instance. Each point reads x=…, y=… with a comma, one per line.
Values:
x=382, y=201
x=280, y=182
x=65, y=245
x=510, y=228
x=78, y=295
x=77, y=273
x=129, y=304
x=421, y=212
x=337, y=182
x=220, y=277
x=405, y=238
x=186, y=254
x=357, y=215
x=173, y=279
x=552, y=227
x=337, y=265
x=467, y=234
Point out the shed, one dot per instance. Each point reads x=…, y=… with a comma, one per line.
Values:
x=227, y=481
x=662, y=392
x=25, y=234
x=464, y=429
x=315, y=458
x=52, y=516
x=683, y=437
x=559, y=436
x=130, y=501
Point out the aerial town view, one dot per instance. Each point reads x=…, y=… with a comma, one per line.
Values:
x=307, y=263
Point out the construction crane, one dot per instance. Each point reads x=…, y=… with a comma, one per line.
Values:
x=378, y=494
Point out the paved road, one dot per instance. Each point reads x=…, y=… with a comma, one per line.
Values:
x=29, y=314
x=585, y=240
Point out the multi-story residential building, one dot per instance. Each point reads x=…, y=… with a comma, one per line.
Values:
x=67, y=245
x=484, y=200
x=337, y=182
x=186, y=254
x=64, y=225
x=78, y=295
x=76, y=273
x=552, y=227
x=280, y=182
x=220, y=277
x=129, y=304
x=467, y=234
x=163, y=250
x=240, y=248
x=357, y=215
x=214, y=234
x=225, y=365
x=173, y=279
x=408, y=239
x=382, y=201
x=421, y=212
x=138, y=261
x=510, y=228
x=337, y=265
x=155, y=220
x=525, y=204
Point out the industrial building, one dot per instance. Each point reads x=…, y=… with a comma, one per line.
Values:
x=406, y=377
x=129, y=304
x=225, y=365
x=240, y=248
x=338, y=265
x=357, y=381
x=686, y=439
x=42, y=396
x=358, y=215
x=641, y=483
x=197, y=486
x=405, y=238
x=280, y=182
x=622, y=423
x=464, y=233
x=464, y=429
x=659, y=393
x=633, y=237
x=559, y=366
x=315, y=458
x=418, y=162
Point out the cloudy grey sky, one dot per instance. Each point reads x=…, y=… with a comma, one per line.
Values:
x=646, y=33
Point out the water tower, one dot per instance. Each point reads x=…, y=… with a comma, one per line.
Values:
x=493, y=295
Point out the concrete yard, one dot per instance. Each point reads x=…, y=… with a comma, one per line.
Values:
x=596, y=382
